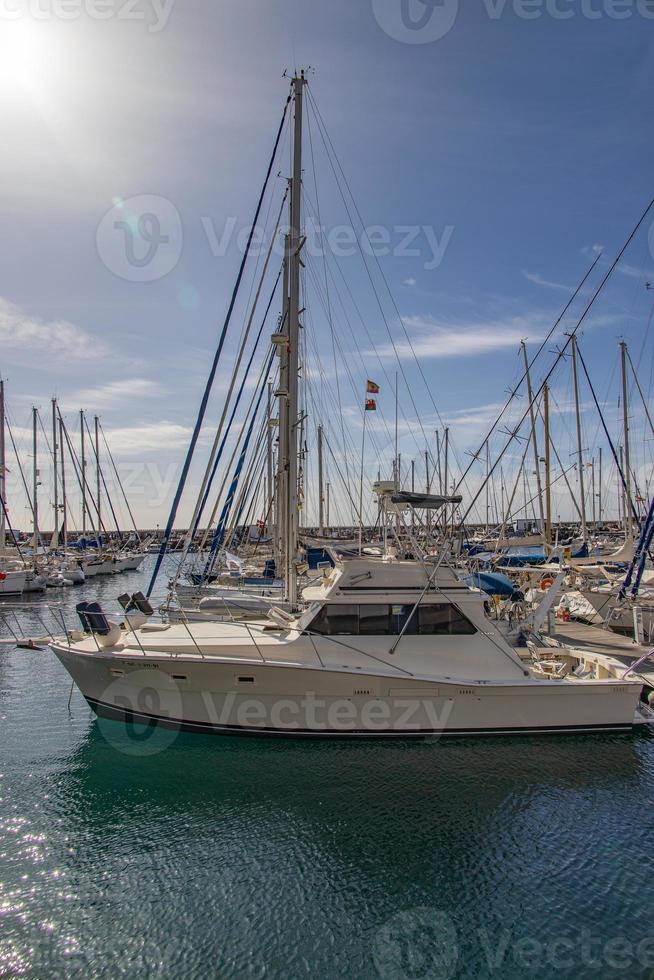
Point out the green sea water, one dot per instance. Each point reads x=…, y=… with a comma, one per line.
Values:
x=124, y=854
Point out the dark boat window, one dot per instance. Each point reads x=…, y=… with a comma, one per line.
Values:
x=377, y=619
x=374, y=620
x=400, y=620
x=443, y=620
x=336, y=620
x=460, y=625
x=434, y=620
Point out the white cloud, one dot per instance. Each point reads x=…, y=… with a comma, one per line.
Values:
x=538, y=280
x=112, y=394
x=410, y=281
x=430, y=339
x=151, y=437
x=633, y=271
x=56, y=340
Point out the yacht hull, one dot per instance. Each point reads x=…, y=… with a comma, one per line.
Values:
x=619, y=617
x=13, y=583
x=233, y=697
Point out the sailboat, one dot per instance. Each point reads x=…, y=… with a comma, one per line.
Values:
x=379, y=647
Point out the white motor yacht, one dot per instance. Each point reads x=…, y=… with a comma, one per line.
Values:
x=385, y=648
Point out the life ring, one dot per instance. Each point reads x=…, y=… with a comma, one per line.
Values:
x=3, y=576
x=545, y=584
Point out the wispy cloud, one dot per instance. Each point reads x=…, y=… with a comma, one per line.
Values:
x=430, y=339
x=538, y=280
x=409, y=282
x=633, y=271
x=111, y=395
x=56, y=340
x=152, y=437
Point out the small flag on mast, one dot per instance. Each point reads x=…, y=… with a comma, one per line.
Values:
x=371, y=405
x=372, y=388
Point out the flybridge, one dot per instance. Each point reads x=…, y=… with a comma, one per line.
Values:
x=368, y=574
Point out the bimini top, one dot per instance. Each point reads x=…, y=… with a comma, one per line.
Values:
x=428, y=501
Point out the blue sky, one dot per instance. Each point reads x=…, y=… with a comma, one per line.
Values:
x=519, y=143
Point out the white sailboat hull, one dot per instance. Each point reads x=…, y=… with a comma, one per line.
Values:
x=618, y=616
x=244, y=697
x=13, y=583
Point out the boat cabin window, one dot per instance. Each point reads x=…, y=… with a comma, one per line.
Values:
x=336, y=620
x=441, y=619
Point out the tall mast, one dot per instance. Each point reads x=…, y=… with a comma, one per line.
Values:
x=83, y=464
x=600, y=486
x=35, y=478
x=3, y=470
x=428, y=490
x=64, y=510
x=447, y=460
x=628, y=525
x=579, y=445
x=295, y=246
x=269, y=467
x=548, y=485
x=534, y=438
x=321, y=492
x=55, y=472
x=621, y=496
x=438, y=462
x=98, y=472
x=487, y=486
x=281, y=506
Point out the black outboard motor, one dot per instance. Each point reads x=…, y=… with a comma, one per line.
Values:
x=137, y=602
x=92, y=618
x=142, y=604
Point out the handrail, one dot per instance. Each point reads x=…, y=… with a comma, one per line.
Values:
x=637, y=663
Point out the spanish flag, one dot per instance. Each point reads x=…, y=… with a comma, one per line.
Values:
x=372, y=388
x=371, y=405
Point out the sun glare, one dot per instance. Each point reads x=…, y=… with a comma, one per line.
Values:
x=25, y=57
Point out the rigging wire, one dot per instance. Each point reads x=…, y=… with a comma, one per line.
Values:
x=561, y=353
x=212, y=373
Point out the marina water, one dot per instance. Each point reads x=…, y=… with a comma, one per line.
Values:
x=135, y=853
